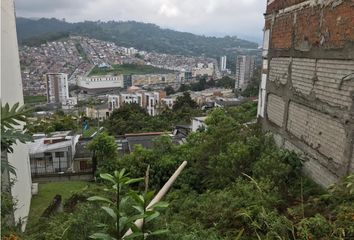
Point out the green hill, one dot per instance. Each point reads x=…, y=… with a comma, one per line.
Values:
x=143, y=36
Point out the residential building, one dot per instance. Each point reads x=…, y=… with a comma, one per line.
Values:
x=203, y=69
x=145, y=140
x=154, y=79
x=245, y=66
x=11, y=93
x=57, y=88
x=168, y=101
x=306, y=93
x=198, y=123
x=223, y=63
x=100, y=112
x=52, y=154
x=151, y=101
x=82, y=161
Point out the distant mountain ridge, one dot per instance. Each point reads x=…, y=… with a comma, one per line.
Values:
x=143, y=36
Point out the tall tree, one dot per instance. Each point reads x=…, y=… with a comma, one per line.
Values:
x=104, y=148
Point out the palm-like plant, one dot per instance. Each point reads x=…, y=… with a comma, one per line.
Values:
x=11, y=120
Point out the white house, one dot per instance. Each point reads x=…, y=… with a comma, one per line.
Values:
x=54, y=154
x=198, y=123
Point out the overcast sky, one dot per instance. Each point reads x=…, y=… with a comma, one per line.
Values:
x=243, y=18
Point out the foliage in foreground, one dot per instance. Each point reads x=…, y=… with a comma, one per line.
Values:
x=118, y=209
x=12, y=119
x=238, y=184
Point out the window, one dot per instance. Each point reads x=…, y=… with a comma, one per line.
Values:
x=48, y=156
x=59, y=154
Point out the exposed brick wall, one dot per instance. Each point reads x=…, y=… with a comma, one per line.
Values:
x=281, y=4
x=275, y=109
x=338, y=24
x=310, y=83
x=307, y=28
x=312, y=167
x=314, y=26
x=281, y=37
x=303, y=74
x=335, y=83
x=279, y=70
x=317, y=130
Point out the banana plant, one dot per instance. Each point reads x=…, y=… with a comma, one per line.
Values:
x=117, y=210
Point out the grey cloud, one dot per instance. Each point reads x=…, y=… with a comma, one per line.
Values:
x=45, y=6
x=209, y=17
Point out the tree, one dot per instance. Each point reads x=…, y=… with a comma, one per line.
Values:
x=169, y=90
x=184, y=101
x=58, y=122
x=128, y=118
x=104, y=148
x=226, y=82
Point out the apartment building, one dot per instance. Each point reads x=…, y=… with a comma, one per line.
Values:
x=223, y=63
x=57, y=88
x=154, y=79
x=151, y=101
x=245, y=66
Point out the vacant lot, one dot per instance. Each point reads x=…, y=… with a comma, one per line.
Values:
x=46, y=193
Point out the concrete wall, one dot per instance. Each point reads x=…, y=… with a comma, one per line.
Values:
x=309, y=68
x=11, y=92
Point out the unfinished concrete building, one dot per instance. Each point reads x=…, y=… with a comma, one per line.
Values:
x=307, y=88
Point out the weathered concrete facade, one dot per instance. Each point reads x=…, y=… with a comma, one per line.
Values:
x=307, y=89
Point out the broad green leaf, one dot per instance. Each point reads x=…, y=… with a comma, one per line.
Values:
x=122, y=223
x=134, y=235
x=134, y=180
x=102, y=236
x=160, y=205
x=137, y=198
x=110, y=212
x=152, y=217
x=108, y=177
x=98, y=198
x=136, y=217
x=139, y=208
x=159, y=232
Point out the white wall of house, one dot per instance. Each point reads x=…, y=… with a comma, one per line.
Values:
x=11, y=92
x=198, y=123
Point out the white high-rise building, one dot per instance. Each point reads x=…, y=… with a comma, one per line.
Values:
x=223, y=63
x=57, y=88
x=245, y=65
x=11, y=93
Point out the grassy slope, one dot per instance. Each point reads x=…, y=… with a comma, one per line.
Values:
x=46, y=193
